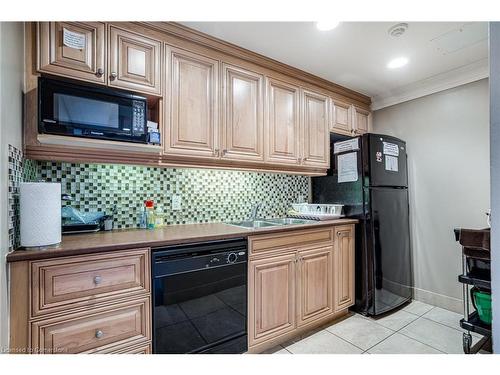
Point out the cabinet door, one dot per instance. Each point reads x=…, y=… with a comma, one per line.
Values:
x=243, y=114
x=282, y=123
x=315, y=284
x=361, y=120
x=192, y=119
x=271, y=288
x=344, y=267
x=72, y=49
x=315, y=132
x=341, y=118
x=134, y=61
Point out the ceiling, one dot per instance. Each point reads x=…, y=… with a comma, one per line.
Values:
x=355, y=54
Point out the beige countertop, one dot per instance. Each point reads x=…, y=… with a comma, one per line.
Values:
x=87, y=243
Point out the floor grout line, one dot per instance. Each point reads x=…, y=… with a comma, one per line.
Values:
x=394, y=331
x=409, y=312
x=364, y=350
x=392, y=334
x=350, y=343
x=423, y=343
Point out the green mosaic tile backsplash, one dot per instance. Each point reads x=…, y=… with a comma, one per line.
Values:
x=207, y=195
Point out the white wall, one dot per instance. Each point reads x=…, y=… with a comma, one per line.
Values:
x=11, y=85
x=495, y=178
x=448, y=164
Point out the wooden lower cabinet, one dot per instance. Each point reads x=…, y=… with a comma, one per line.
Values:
x=314, y=282
x=272, y=298
x=82, y=304
x=344, y=266
x=297, y=285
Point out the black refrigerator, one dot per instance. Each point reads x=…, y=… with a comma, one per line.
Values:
x=369, y=176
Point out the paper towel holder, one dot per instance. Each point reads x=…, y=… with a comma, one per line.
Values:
x=40, y=219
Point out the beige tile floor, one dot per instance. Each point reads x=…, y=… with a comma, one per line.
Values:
x=417, y=328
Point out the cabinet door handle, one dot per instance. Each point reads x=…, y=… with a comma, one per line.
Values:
x=97, y=280
x=113, y=76
x=99, y=334
x=99, y=72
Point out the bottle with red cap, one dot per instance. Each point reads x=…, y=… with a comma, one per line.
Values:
x=150, y=214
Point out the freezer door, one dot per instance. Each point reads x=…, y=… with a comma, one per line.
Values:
x=385, y=161
x=390, y=246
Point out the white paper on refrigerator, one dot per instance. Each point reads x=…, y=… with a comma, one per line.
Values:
x=349, y=145
x=347, y=165
x=391, y=163
x=391, y=149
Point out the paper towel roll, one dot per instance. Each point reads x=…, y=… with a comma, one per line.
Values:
x=40, y=211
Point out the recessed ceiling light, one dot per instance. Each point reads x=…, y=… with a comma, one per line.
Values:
x=327, y=25
x=398, y=62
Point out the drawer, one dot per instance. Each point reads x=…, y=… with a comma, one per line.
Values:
x=289, y=240
x=93, y=330
x=143, y=348
x=84, y=281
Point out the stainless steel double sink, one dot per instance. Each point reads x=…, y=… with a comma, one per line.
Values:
x=263, y=223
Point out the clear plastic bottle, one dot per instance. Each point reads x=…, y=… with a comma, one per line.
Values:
x=159, y=217
x=143, y=220
x=150, y=214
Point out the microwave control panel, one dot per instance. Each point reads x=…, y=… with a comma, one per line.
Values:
x=138, y=117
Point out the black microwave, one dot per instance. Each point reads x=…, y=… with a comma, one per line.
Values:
x=81, y=110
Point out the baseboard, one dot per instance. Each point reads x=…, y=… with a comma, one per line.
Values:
x=439, y=300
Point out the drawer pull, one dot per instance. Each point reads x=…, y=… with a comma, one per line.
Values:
x=97, y=280
x=99, y=334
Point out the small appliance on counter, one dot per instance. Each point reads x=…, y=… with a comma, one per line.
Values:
x=75, y=221
x=40, y=214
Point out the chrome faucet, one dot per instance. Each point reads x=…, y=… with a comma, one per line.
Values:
x=255, y=210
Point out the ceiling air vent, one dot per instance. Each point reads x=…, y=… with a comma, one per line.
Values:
x=397, y=30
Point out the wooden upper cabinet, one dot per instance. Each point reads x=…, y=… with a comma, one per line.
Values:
x=192, y=121
x=315, y=285
x=73, y=49
x=272, y=297
x=315, y=129
x=341, y=122
x=134, y=61
x=282, y=123
x=361, y=119
x=243, y=114
x=344, y=266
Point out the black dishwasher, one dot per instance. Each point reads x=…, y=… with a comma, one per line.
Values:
x=200, y=298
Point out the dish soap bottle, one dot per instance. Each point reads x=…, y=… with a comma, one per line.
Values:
x=150, y=214
x=159, y=217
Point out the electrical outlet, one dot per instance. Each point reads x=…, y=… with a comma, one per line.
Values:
x=176, y=202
